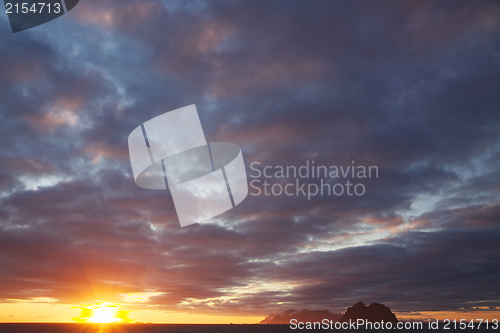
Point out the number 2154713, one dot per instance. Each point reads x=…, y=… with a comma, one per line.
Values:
x=36, y=8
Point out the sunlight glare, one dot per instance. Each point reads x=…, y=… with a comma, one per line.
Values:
x=104, y=315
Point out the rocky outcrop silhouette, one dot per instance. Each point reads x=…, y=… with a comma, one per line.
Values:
x=376, y=312
x=303, y=316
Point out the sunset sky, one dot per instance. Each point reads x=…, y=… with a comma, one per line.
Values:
x=412, y=87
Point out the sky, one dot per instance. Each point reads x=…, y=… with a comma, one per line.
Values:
x=412, y=87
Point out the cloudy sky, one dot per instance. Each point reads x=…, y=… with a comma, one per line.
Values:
x=412, y=87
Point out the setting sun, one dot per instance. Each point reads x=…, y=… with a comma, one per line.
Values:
x=104, y=315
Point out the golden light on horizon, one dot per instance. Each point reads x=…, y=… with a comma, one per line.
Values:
x=102, y=313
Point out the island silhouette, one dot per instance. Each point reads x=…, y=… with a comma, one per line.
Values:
x=376, y=312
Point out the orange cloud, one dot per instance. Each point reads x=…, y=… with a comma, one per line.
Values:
x=61, y=112
x=121, y=15
x=98, y=150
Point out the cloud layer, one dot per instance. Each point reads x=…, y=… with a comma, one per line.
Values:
x=411, y=87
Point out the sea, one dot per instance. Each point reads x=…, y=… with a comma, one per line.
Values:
x=169, y=328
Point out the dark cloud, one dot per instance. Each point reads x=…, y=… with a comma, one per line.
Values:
x=411, y=87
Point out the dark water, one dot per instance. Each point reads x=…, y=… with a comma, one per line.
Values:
x=157, y=328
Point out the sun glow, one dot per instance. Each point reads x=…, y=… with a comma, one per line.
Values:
x=104, y=315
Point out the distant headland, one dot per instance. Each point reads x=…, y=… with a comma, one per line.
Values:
x=376, y=312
